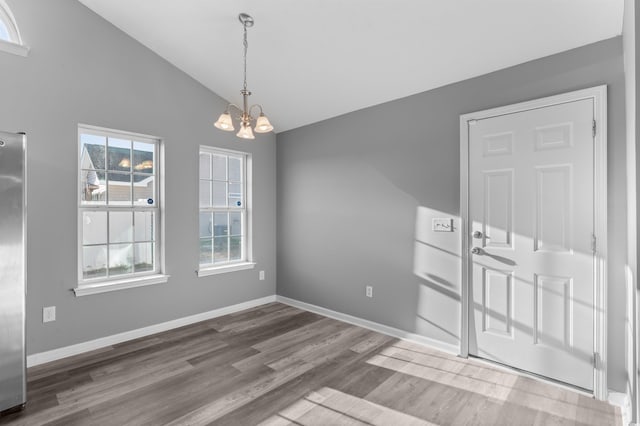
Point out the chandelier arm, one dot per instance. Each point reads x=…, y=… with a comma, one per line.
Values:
x=255, y=105
x=235, y=106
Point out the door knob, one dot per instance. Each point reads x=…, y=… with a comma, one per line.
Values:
x=477, y=234
x=476, y=250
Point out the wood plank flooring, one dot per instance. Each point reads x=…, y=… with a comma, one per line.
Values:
x=278, y=365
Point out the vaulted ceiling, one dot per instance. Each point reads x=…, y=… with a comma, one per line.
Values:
x=310, y=60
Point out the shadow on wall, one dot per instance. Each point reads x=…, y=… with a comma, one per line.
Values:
x=437, y=264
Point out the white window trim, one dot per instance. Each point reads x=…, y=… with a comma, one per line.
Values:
x=15, y=45
x=107, y=286
x=249, y=261
x=223, y=269
x=96, y=286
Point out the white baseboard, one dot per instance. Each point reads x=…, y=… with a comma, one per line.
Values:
x=55, y=354
x=623, y=401
x=380, y=328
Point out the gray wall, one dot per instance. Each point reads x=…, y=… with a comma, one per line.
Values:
x=356, y=194
x=81, y=69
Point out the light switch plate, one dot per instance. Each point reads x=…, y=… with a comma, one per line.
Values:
x=48, y=314
x=442, y=224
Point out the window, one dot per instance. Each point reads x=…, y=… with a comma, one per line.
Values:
x=119, y=210
x=224, y=211
x=10, y=40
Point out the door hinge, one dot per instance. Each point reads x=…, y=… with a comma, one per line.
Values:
x=593, y=243
x=596, y=360
x=594, y=128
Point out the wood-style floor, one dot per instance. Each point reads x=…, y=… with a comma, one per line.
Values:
x=278, y=365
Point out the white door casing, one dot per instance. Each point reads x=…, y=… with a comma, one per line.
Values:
x=533, y=183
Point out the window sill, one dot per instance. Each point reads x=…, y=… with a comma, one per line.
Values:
x=214, y=270
x=104, y=287
x=14, y=48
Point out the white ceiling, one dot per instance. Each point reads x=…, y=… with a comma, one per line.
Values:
x=310, y=60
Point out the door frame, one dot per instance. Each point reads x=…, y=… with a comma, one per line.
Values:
x=599, y=96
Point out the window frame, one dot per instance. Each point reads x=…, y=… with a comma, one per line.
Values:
x=14, y=45
x=247, y=260
x=86, y=286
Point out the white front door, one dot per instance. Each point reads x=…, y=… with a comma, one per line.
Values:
x=531, y=216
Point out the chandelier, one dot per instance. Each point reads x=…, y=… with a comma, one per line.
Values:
x=262, y=122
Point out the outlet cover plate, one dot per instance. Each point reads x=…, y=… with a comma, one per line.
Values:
x=48, y=314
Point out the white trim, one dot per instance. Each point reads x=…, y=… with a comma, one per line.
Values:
x=14, y=48
x=464, y=246
x=55, y=354
x=370, y=325
x=14, y=45
x=599, y=96
x=205, y=272
x=107, y=286
x=100, y=285
x=246, y=210
x=108, y=132
x=622, y=401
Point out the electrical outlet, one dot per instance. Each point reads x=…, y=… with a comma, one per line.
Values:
x=368, y=291
x=261, y=275
x=48, y=314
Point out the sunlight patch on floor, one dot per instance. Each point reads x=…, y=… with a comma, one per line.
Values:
x=501, y=386
x=330, y=406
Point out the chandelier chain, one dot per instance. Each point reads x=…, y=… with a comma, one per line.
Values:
x=246, y=45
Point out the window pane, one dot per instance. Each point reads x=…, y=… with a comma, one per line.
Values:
x=221, y=225
x=206, y=225
x=235, y=169
x=143, y=257
x=92, y=152
x=235, y=195
x=235, y=223
x=4, y=32
x=143, y=157
x=119, y=155
x=120, y=227
x=206, y=251
x=94, y=262
x=143, y=226
x=144, y=189
x=205, y=193
x=220, y=249
x=120, y=259
x=219, y=194
x=94, y=228
x=205, y=166
x=219, y=167
x=235, y=249
x=119, y=189
x=94, y=190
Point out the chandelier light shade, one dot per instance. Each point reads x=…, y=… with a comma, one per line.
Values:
x=225, y=121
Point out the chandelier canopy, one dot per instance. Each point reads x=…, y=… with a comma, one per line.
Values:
x=225, y=122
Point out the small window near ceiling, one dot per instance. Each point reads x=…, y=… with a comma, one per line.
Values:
x=10, y=39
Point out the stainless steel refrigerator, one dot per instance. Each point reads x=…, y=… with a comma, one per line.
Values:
x=12, y=271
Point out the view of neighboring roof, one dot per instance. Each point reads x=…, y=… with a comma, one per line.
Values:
x=119, y=160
